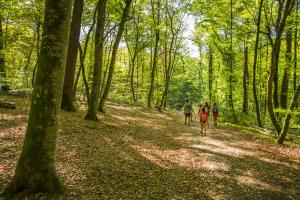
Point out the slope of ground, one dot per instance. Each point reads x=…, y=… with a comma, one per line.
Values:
x=138, y=153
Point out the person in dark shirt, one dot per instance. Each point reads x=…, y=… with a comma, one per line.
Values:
x=187, y=112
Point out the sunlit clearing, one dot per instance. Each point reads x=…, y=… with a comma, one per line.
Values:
x=222, y=148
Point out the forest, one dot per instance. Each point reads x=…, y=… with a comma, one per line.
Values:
x=92, y=94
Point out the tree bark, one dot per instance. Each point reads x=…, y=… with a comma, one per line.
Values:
x=98, y=62
x=114, y=55
x=35, y=171
x=210, y=71
x=257, y=108
x=295, y=49
x=155, y=53
x=274, y=59
x=287, y=69
x=230, y=102
x=67, y=102
x=288, y=116
x=2, y=54
x=245, y=80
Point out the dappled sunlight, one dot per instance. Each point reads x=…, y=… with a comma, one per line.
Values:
x=12, y=117
x=272, y=161
x=123, y=107
x=132, y=121
x=213, y=194
x=156, y=115
x=169, y=158
x=256, y=183
x=222, y=148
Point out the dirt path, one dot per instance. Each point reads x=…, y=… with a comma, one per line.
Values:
x=138, y=153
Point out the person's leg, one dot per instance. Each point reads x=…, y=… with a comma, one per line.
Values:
x=201, y=124
x=185, y=118
x=207, y=121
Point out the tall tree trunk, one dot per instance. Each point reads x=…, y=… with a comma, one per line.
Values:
x=275, y=80
x=245, y=80
x=82, y=55
x=155, y=53
x=114, y=55
x=295, y=49
x=231, y=105
x=210, y=74
x=2, y=55
x=67, y=102
x=274, y=55
x=35, y=171
x=287, y=69
x=132, y=75
x=257, y=109
x=98, y=62
x=281, y=23
x=288, y=116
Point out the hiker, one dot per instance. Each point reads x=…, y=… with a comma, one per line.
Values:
x=215, y=114
x=187, y=112
x=203, y=115
x=208, y=112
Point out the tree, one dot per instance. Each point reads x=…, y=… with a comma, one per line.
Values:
x=210, y=74
x=257, y=109
x=67, y=102
x=287, y=69
x=2, y=55
x=35, y=171
x=156, y=20
x=98, y=62
x=284, y=10
x=288, y=116
x=245, y=82
x=114, y=54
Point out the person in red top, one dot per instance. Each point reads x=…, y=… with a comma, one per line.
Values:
x=203, y=115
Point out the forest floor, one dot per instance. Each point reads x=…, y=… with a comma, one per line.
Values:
x=138, y=153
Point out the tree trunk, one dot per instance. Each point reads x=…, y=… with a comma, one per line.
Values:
x=274, y=60
x=132, y=76
x=295, y=49
x=287, y=69
x=2, y=55
x=98, y=62
x=114, y=55
x=245, y=80
x=155, y=53
x=210, y=74
x=67, y=102
x=231, y=105
x=288, y=116
x=35, y=171
x=257, y=109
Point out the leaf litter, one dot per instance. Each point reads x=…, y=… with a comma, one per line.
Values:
x=138, y=153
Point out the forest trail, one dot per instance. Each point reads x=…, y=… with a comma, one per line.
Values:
x=139, y=153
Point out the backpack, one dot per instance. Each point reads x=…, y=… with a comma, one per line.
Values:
x=188, y=108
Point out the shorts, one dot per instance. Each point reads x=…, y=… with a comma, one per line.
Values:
x=187, y=114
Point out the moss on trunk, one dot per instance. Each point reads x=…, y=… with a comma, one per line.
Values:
x=35, y=171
